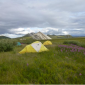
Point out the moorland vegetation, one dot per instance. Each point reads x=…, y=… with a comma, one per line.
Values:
x=64, y=63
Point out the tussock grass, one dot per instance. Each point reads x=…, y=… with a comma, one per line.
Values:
x=52, y=67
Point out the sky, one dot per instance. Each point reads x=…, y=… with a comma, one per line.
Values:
x=54, y=17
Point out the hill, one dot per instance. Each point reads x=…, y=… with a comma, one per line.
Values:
x=60, y=36
x=4, y=37
x=51, y=36
x=29, y=34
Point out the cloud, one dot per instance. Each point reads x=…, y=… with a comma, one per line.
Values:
x=23, y=16
x=75, y=32
x=11, y=35
x=20, y=31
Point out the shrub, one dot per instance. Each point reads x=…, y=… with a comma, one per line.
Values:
x=71, y=42
x=14, y=42
x=28, y=41
x=74, y=43
x=6, y=45
x=81, y=44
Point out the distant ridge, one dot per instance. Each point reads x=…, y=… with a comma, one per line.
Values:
x=37, y=36
x=4, y=37
x=40, y=36
x=78, y=36
x=60, y=36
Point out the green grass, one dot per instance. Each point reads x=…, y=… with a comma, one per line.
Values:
x=52, y=67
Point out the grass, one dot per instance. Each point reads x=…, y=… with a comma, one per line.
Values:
x=52, y=67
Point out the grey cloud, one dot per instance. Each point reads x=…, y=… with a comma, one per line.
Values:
x=62, y=14
x=68, y=5
x=53, y=32
x=77, y=32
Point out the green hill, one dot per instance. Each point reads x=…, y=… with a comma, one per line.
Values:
x=60, y=36
x=4, y=37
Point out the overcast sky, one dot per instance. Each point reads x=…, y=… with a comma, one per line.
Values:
x=60, y=17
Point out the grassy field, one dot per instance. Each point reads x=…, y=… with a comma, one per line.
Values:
x=57, y=66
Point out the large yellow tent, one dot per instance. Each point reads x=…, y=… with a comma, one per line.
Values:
x=47, y=43
x=34, y=47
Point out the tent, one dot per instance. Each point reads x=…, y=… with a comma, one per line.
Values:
x=18, y=44
x=47, y=43
x=34, y=47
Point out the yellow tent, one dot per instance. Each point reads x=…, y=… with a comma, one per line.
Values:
x=34, y=47
x=47, y=43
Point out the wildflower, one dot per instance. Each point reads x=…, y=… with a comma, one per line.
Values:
x=75, y=49
x=84, y=53
x=27, y=64
x=78, y=50
x=80, y=74
x=61, y=50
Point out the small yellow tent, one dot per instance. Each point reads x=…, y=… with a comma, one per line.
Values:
x=34, y=47
x=47, y=43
